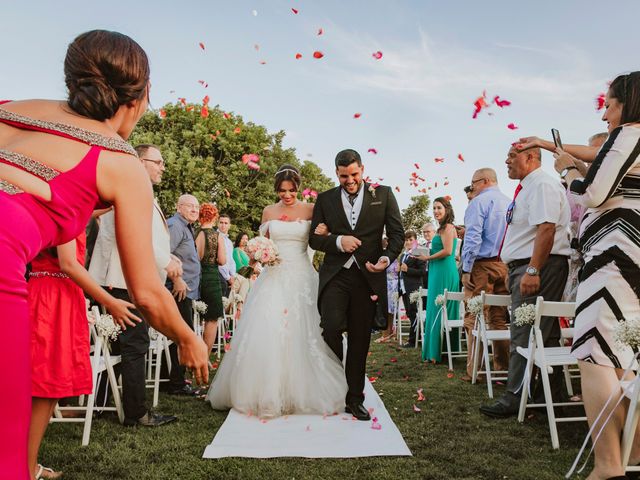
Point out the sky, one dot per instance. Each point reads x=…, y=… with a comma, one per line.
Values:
x=550, y=59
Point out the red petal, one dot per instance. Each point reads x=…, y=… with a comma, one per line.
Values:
x=600, y=100
x=377, y=55
x=438, y=160
x=205, y=100
x=294, y=11
x=460, y=157
x=201, y=45
x=357, y=115
x=373, y=150
x=417, y=166
x=512, y=126
x=398, y=189
x=163, y=114
x=298, y=56
x=204, y=112
x=320, y=31
x=318, y=54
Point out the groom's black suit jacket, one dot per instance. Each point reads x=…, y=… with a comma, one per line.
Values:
x=379, y=213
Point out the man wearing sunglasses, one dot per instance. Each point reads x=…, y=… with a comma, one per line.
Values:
x=482, y=269
x=536, y=250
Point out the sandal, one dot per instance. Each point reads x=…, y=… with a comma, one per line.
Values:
x=46, y=472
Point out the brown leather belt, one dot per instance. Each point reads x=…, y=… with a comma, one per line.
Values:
x=488, y=259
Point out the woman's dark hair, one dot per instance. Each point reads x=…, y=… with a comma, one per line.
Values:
x=236, y=244
x=104, y=70
x=449, y=217
x=626, y=89
x=287, y=173
x=346, y=157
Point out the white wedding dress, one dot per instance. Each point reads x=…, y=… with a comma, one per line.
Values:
x=278, y=363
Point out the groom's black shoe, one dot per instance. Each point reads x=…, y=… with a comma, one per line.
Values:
x=357, y=410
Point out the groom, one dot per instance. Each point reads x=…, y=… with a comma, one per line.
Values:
x=353, y=273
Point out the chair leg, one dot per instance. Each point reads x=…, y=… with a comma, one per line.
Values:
x=630, y=424
x=548, y=400
x=567, y=380
x=476, y=357
x=487, y=365
x=524, y=394
x=156, y=377
x=447, y=335
x=113, y=381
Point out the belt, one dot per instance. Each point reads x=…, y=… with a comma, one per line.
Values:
x=488, y=259
x=525, y=261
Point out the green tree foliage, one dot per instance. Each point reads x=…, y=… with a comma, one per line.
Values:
x=416, y=214
x=203, y=155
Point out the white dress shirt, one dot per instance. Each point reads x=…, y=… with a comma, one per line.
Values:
x=228, y=270
x=541, y=200
x=353, y=213
x=105, y=267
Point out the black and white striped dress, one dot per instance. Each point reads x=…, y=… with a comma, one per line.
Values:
x=609, y=287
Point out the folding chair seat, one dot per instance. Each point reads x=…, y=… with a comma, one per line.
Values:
x=448, y=324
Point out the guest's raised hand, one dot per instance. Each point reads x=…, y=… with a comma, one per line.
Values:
x=121, y=312
x=322, y=230
x=563, y=160
x=350, y=244
x=525, y=143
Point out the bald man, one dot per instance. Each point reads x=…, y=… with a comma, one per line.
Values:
x=185, y=289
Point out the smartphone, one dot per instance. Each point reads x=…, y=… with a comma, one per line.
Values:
x=556, y=137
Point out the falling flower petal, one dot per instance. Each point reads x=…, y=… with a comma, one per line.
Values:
x=163, y=113
x=374, y=298
x=295, y=11
x=479, y=104
x=183, y=101
x=374, y=424
x=205, y=100
x=201, y=45
x=512, y=126
x=318, y=54
x=397, y=189
x=203, y=83
x=373, y=379
x=416, y=409
x=286, y=311
x=373, y=150
x=298, y=56
x=446, y=182
x=189, y=108
x=377, y=55
x=370, y=410
x=420, y=395
x=460, y=157
x=417, y=166
x=262, y=62
x=394, y=360
x=600, y=100
x=308, y=429
x=256, y=47
x=438, y=160
x=501, y=103
x=320, y=31
x=357, y=115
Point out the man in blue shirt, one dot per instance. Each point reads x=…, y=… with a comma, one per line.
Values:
x=186, y=288
x=482, y=269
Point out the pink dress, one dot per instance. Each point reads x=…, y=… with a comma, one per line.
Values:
x=29, y=224
x=60, y=363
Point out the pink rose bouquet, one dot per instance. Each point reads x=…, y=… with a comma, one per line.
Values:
x=263, y=250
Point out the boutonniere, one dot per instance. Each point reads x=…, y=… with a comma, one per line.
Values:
x=372, y=189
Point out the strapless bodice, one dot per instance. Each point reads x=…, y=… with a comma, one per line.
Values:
x=291, y=238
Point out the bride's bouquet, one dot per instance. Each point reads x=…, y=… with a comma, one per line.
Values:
x=263, y=250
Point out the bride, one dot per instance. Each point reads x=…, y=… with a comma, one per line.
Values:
x=278, y=363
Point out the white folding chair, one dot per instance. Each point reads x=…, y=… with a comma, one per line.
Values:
x=198, y=324
x=421, y=316
x=485, y=337
x=546, y=358
x=631, y=390
x=158, y=345
x=101, y=361
x=448, y=324
x=401, y=321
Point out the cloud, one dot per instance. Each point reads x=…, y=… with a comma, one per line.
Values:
x=450, y=73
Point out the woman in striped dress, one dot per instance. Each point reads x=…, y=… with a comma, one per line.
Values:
x=609, y=287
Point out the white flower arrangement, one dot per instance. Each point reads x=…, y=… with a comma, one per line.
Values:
x=200, y=307
x=440, y=300
x=106, y=327
x=263, y=250
x=474, y=305
x=627, y=332
x=414, y=296
x=525, y=314
x=372, y=189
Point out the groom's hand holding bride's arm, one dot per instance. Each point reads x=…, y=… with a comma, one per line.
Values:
x=323, y=241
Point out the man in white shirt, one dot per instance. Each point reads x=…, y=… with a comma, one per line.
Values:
x=106, y=270
x=228, y=270
x=536, y=250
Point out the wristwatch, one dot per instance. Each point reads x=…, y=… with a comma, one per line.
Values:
x=566, y=171
x=532, y=271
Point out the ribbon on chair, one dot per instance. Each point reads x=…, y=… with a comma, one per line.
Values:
x=438, y=314
x=604, y=424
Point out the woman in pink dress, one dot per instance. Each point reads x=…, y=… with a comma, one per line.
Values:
x=58, y=160
x=60, y=362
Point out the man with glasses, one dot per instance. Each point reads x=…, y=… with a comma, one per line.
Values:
x=482, y=269
x=133, y=343
x=536, y=250
x=186, y=288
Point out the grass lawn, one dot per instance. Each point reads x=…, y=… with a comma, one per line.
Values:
x=449, y=438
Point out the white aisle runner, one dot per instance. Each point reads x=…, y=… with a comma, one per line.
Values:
x=311, y=436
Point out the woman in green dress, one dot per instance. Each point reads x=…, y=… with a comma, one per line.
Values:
x=210, y=246
x=239, y=254
x=443, y=274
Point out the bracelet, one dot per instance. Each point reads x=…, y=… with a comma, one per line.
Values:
x=48, y=274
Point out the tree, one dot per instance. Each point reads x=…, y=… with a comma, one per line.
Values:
x=415, y=215
x=203, y=149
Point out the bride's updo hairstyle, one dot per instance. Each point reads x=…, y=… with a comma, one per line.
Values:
x=104, y=70
x=287, y=173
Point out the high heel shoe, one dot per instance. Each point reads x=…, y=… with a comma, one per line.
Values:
x=46, y=472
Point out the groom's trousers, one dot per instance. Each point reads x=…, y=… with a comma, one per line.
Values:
x=346, y=305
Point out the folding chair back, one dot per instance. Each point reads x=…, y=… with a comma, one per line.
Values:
x=448, y=324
